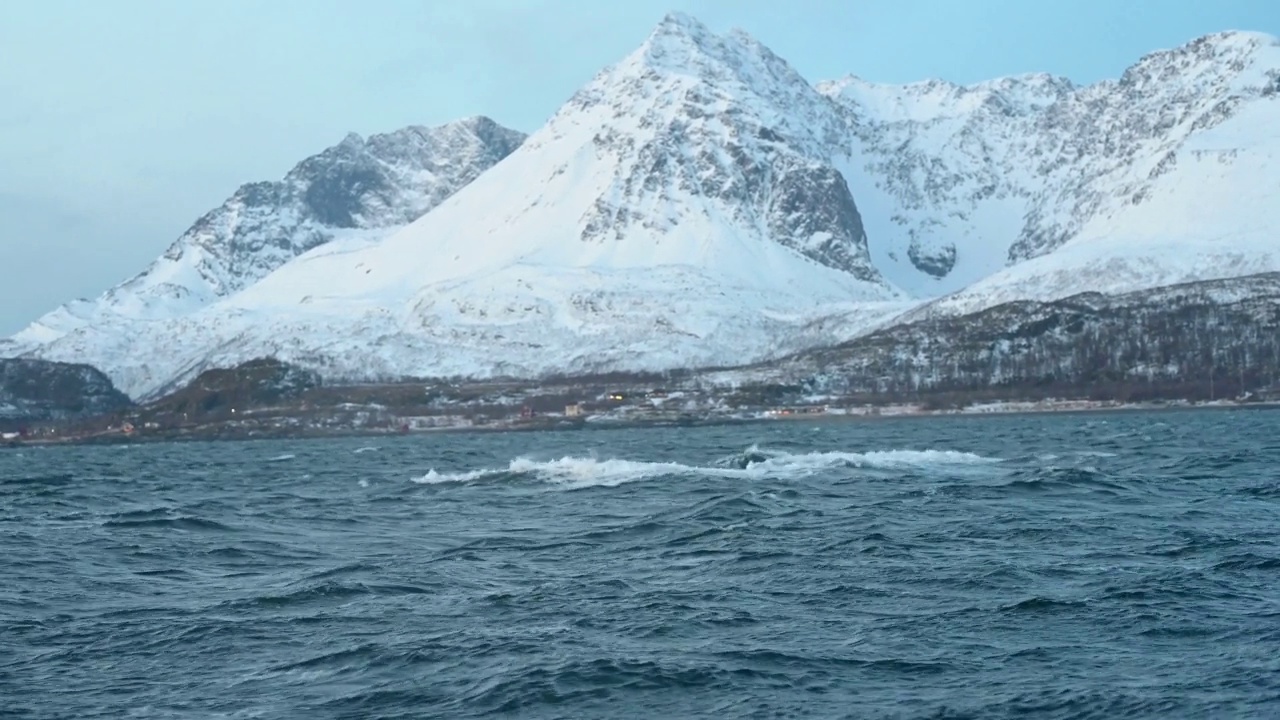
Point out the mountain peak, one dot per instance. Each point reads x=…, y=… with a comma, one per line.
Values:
x=1227, y=54
x=476, y=122
x=693, y=125
x=684, y=29
x=1240, y=38
x=676, y=42
x=684, y=71
x=358, y=189
x=677, y=24
x=680, y=44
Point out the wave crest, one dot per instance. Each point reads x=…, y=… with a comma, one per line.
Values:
x=754, y=463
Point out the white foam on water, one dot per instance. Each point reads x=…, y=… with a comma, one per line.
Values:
x=432, y=477
x=366, y=449
x=580, y=472
x=282, y=458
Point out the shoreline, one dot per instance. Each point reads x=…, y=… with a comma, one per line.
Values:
x=554, y=424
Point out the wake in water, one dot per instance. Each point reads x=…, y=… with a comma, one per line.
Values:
x=754, y=463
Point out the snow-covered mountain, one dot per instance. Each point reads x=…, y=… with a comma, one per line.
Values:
x=1030, y=187
x=700, y=203
x=357, y=190
x=681, y=209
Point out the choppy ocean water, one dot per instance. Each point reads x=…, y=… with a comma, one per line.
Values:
x=1056, y=566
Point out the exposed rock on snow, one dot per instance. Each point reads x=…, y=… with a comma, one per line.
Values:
x=358, y=190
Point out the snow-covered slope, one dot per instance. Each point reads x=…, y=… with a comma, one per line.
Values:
x=700, y=203
x=958, y=183
x=1183, y=181
x=681, y=209
x=358, y=190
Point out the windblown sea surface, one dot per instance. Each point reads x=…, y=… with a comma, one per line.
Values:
x=1055, y=566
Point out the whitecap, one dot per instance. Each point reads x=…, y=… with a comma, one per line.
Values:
x=433, y=478
x=754, y=463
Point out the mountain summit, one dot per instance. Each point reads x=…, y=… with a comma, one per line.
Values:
x=700, y=203
x=357, y=190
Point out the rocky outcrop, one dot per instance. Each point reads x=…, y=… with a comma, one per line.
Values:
x=937, y=262
x=723, y=122
x=39, y=390
x=257, y=384
x=384, y=182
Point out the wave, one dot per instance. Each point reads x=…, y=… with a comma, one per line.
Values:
x=1266, y=490
x=326, y=592
x=1042, y=604
x=754, y=463
x=56, y=479
x=1248, y=561
x=183, y=522
x=1053, y=477
x=329, y=591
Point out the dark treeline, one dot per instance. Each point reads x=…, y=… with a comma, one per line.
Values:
x=1194, y=342
x=44, y=390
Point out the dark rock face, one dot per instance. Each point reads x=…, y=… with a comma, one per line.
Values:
x=337, y=191
x=936, y=263
x=804, y=203
x=813, y=212
x=36, y=390
x=264, y=382
x=726, y=127
x=385, y=181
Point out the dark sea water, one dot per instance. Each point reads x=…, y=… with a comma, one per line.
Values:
x=1056, y=566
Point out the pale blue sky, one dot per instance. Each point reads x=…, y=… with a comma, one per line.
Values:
x=121, y=122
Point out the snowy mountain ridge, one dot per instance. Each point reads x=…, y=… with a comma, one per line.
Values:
x=964, y=182
x=358, y=190
x=699, y=203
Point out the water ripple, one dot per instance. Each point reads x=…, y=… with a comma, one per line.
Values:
x=1038, y=566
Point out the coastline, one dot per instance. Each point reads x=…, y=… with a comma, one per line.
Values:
x=225, y=433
